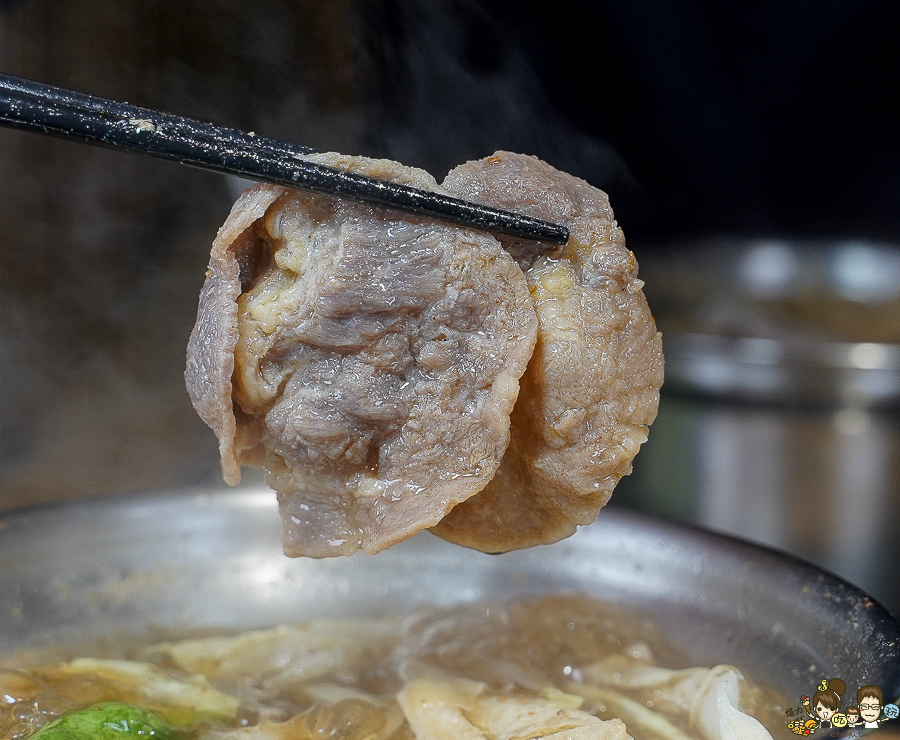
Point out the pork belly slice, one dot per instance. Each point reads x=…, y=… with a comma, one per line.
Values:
x=367, y=359
x=592, y=386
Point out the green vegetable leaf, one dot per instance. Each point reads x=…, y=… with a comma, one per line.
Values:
x=113, y=720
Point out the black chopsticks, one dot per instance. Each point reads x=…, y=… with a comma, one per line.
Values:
x=32, y=106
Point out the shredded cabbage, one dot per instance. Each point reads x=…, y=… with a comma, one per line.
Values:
x=180, y=701
x=710, y=698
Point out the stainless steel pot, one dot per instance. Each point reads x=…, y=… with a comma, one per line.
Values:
x=780, y=417
x=185, y=560
x=773, y=321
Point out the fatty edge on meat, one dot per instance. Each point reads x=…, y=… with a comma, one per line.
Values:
x=369, y=361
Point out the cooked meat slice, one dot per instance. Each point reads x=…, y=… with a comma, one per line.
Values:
x=592, y=385
x=210, y=353
x=368, y=359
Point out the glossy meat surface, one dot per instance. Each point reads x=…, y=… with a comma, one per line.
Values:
x=592, y=386
x=368, y=360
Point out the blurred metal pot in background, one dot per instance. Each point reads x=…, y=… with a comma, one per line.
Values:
x=779, y=420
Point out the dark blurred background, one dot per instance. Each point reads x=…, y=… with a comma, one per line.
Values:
x=730, y=124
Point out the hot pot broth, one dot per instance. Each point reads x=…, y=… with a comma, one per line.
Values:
x=560, y=664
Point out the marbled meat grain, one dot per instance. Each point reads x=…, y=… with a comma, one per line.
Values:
x=368, y=360
x=592, y=386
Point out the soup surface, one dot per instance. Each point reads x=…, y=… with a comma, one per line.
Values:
x=559, y=667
